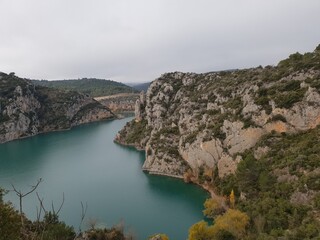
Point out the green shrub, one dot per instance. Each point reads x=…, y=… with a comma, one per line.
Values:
x=138, y=130
x=278, y=117
x=287, y=99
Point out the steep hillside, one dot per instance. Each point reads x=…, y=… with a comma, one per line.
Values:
x=187, y=120
x=27, y=109
x=254, y=130
x=90, y=86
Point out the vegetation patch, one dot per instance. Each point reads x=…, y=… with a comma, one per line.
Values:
x=90, y=86
x=268, y=201
x=138, y=130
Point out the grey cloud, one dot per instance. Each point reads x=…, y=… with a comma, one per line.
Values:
x=138, y=40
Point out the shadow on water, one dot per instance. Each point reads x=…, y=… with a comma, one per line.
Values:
x=176, y=189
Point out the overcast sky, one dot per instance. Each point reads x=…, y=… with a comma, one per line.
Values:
x=137, y=40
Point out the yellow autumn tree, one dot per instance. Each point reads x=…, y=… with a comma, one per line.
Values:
x=233, y=221
x=232, y=199
x=212, y=208
x=201, y=231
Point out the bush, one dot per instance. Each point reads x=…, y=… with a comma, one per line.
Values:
x=10, y=223
x=286, y=100
x=278, y=117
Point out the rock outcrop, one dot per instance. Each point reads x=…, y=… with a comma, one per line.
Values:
x=26, y=109
x=118, y=103
x=197, y=124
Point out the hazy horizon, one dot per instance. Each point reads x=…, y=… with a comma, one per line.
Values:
x=136, y=41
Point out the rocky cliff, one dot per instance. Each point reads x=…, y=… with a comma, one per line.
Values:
x=117, y=103
x=192, y=125
x=26, y=109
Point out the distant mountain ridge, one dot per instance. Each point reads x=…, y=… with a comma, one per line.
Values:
x=140, y=86
x=91, y=86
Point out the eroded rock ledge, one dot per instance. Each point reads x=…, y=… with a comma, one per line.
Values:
x=195, y=125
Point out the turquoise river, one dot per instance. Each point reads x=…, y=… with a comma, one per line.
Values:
x=86, y=166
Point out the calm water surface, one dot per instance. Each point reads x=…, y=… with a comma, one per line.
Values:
x=87, y=166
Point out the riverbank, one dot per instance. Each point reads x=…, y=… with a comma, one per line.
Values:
x=114, y=117
x=204, y=186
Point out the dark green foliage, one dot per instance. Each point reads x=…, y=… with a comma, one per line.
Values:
x=9, y=222
x=168, y=131
x=106, y=234
x=54, y=229
x=287, y=99
x=4, y=117
x=8, y=83
x=285, y=94
x=91, y=86
x=279, y=117
x=218, y=133
x=226, y=184
x=213, y=112
x=138, y=130
x=299, y=61
x=316, y=201
x=248, y=122
x=270, y=199
x=191, y=137
x=314, y=82
x=224, y=235
x=234, y=103
x=264, y=102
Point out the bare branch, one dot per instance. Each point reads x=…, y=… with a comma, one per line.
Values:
x=41, y=203
x=32, y=188
x=61, y=204
x=83, y=214
x=22, y=195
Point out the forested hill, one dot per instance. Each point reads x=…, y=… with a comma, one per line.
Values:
x=91, y=86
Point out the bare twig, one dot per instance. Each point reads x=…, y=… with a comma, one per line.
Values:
x=83, y=214
x=41, y=203
x=52, y=206
x=22, y=195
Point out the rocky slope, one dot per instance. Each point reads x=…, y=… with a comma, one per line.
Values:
x=26, y=109
x=192, y=125
x=117, y=103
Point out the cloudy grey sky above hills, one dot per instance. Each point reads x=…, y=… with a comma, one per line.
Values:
x=137, y=40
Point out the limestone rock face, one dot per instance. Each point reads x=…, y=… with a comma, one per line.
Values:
x=140, y=104
x=26, y=110
x=119, y=103
x=199, y=122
